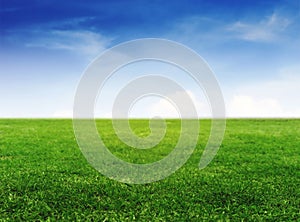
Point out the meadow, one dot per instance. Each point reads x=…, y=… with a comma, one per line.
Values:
x=255, y=176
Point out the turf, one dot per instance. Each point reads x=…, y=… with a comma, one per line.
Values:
x=254, y=177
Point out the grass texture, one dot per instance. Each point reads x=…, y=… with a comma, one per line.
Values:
x=255, y=176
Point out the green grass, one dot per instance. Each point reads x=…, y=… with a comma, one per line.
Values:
x=254, y=177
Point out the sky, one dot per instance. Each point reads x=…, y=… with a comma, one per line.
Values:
x=253, y=47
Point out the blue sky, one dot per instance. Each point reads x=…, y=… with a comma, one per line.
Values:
x=252, y=46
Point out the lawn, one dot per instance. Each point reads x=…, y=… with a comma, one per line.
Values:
x=254, y=177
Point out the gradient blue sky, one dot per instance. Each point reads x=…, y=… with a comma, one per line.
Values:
x=252, y=46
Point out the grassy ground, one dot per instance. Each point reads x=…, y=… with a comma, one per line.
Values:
x=254, y=177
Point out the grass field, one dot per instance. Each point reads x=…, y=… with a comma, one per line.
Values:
x=254, y=177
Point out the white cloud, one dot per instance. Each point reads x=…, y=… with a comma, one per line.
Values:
x=157, y=106
x=274, y=98
x=63, y=114
x=80, y=41
x=248, y=106
x=105, y=115
x=265, y=30
x=166, y=109
x=163, y=108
